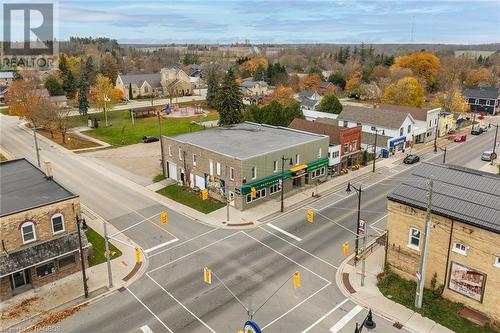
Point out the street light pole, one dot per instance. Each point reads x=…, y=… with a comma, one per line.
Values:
x=161, y=147
x=283, y=159
x=108, y=255
x=85, y=287
x=358, y=192
x=36, y=146
x=375, y=151
x=495, y=141
x=437, y=133
x=367, y=322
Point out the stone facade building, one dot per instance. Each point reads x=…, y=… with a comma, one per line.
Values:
x=464, y=243
x=39, y=239
x=233, y=160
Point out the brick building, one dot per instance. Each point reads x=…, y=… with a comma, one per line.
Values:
x=39, y=239
x=345, y=143
x=233, y=160
x=464, y=244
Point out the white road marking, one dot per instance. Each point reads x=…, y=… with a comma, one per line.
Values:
x=346, y=319
x=184, y=242
x=284, y=232
x=144, y=305
x=146, y=329
x=135, y=224
x=298, y=247
x=159, y=246
x=380, y=219
x=324, y=316
x=185, y=308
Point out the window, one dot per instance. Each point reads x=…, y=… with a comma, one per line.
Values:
x=217, y=168
x=497, y=262
x=319, y=153
x=28, y=232
x=358, y=124
x=345, y=123
x=297, y=159
x=373, y=128
x=259, y=194
x=180, y=154
x=275, y=166
x=414, y=238
x=354, y=144
x=231, y=173
x=170, y=150
x=408, y=129
x=66, y=261
x=459, y=248
x=335, y=154
x=346, y=148
x=401, y=131
x=211, y=167
x=57, y=223
x=46, y=269
x=430, y=123
x=194, y=159
x=254, y=172
x=273, y=189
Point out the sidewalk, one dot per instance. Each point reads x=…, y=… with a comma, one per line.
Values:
x=369, y=296
x=66, y=293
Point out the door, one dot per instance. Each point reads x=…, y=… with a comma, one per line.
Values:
x=200, y=182
x=172, y=170
x=191, y=180
x=19, y=279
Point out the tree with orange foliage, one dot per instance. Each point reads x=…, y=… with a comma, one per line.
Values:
x=477, y=76
x=294, y=82
x=353, y=86
x=284, y=95
x=424, y=64
x=252, y=64
x=310, y=83
x=119, y=94
x=26, y=99
x=406, y=91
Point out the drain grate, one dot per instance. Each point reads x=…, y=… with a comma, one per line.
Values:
x=398, y=325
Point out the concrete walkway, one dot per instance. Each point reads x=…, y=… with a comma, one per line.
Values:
x=369, y=295
x=68, y=292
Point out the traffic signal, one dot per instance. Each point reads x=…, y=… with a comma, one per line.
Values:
x=296, y=280
x=310, y=216
x=345, y=249
x=207, y=275
x=164, y=217
x=137, y=255
x=254, y=193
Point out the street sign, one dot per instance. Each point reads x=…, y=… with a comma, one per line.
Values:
x=361, y=228
x=251, y=327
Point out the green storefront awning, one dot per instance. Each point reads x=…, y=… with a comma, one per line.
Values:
x=316, y=165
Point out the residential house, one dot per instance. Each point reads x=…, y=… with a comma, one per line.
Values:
x=231, y=161
x=170, y=81
x=6, y=78
x=3, y=91
x=38, y=229
x=463, y=253
x=254, y=91
x=326, y=87
x=344, y=146
x=399, y=126
x=196, y=77
x=426, y=120
x=309, y=101
x=483, y=99
x=446, y=123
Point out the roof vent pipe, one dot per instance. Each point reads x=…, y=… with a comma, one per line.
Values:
x=48, y=170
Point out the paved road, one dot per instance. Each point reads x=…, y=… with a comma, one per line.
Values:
x=172, y=297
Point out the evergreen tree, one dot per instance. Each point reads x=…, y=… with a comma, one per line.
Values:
x=53, y=86
x=273, y=114
x=69, y=84
x=83, y=102
x=90, y=71
x=229, y=101
x=212, y=86
x=330, y=104
x=130, y=92
x=337, y=79
x=63, y=65
x=260, y=73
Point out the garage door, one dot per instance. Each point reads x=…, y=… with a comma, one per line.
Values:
x=172, y=171
x=200, y=182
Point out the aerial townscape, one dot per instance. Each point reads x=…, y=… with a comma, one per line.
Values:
x=247, y=167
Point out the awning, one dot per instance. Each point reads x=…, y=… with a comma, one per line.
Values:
x=263, y=183
x=318, y=164
x=395, y=141
x=298, y=167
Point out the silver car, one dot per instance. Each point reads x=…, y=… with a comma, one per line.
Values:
x=488, y=156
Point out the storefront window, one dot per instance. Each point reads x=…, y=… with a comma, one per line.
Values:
x=46, y=269
x=67, y=261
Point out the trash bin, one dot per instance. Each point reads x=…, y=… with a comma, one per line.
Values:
x=385, y=153
x=89, y=123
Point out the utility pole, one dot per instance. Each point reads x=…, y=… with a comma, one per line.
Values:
x=106, y=100
x=444, y=156
x=38, y=150
x=423, y=256
x=358, y=192
x=161, y=147
x=108, y=255
x=85, y=287
x=494, y=142
x=473, y=121
x=436, y=134
x=283, y=159
x=375, y=151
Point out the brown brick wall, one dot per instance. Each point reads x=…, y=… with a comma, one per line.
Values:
x=10, y=226
x=5, y=288
x=482, y=248
x=348, y=135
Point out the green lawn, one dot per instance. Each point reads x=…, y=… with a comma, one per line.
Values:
x=122, y=132
x=4, y=110
x=99, y=248
x=434, y=307
x=158, y=178
x=189, y=198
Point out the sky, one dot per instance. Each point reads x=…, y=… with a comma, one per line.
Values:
x=283, y=21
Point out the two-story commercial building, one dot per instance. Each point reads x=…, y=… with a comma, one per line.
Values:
x=399, y=126
x=345, y=143
x=464, y=243
x=38, y=231
x=483, y=99
x=230, y=161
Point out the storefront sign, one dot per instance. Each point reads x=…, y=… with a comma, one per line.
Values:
x=395, y=141
x=467, y=281
x=251, y=327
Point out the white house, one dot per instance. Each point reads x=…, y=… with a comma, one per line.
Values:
x=309, y=101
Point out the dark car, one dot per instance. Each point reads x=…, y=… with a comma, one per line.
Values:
x=148, y=139
x=477, y=131
x=410, y=159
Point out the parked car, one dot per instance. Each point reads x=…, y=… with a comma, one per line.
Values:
x=488, y=155
x=476, y=131
x=483, y=127
x=460, y=138
x=148, y=139
x=410, y=159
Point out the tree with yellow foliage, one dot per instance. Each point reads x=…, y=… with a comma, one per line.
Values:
x=424, y=64
x=407, y=91
x=451, y=101
x=311, y=82
x=251, y=65
x=284, y=95
x=477, y=76
x=103, y=94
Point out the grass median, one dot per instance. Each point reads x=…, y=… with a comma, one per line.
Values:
x=99, y=248
x=435, y=307
x=192, y=199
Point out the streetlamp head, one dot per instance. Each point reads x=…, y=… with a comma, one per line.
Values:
x=369, y=323
x=348, y=190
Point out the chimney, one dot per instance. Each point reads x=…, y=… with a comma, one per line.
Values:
x=48, y=170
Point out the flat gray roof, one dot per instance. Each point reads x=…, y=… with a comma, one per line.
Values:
x=23, y=186
x=246, y=140
x=462, y=194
